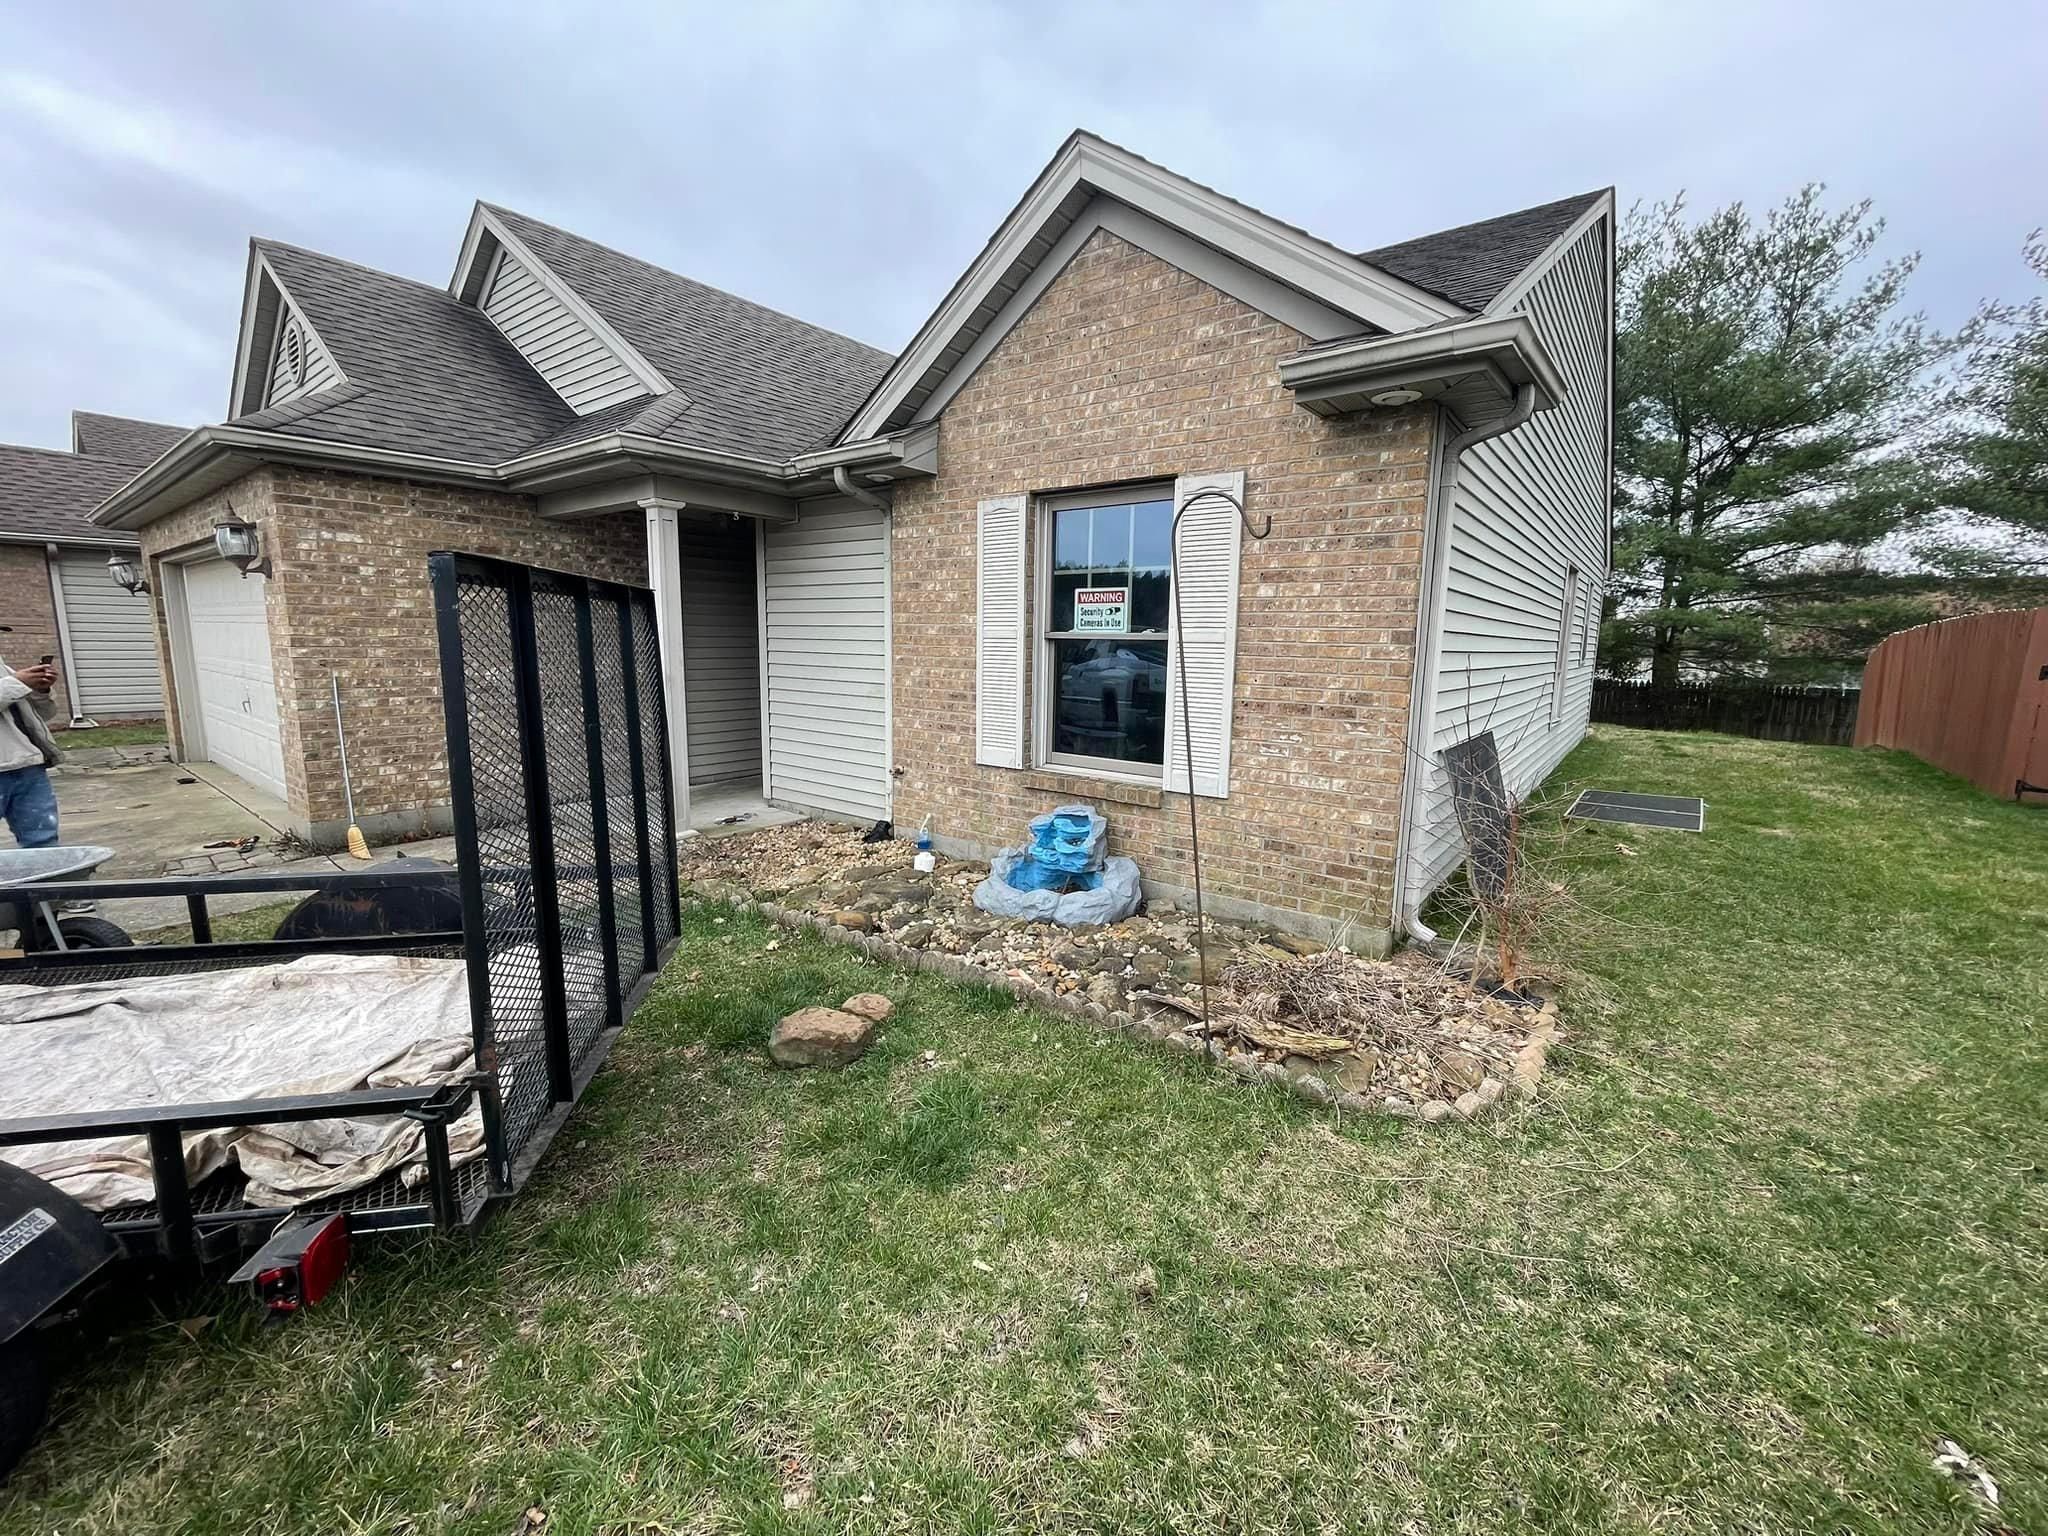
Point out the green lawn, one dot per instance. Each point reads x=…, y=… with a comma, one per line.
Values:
x=1778, y=1223
x=152, y=735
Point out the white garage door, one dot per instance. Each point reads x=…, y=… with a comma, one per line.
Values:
x=113, y=640
x=231, y=678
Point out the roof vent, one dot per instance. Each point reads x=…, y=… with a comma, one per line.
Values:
x=292, y=351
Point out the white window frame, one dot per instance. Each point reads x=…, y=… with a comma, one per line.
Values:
x=1567, y=621
x=1042, y=702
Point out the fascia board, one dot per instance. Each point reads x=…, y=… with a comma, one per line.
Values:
x=1509, y=344
x=649, y=376
x=1286, y=255
x=244, y=338
x=1504, y=301
x=1296, y=258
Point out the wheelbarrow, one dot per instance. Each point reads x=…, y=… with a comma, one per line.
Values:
x=41, y=924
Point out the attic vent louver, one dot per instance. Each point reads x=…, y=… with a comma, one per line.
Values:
x=293, y=348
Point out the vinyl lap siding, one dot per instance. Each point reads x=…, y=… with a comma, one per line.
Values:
x=1528, y=506
x=577, y=366
x=721, y=650
x=825, y=590
x=113, y=640
x=319, y=370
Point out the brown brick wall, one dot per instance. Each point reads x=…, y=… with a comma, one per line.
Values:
x=26, y=608
x=1128, y=369
x=349, y=594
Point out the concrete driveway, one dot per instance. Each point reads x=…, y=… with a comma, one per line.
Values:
x=165, y=818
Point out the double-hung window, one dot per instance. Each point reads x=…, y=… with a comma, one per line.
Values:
x=1104, y=599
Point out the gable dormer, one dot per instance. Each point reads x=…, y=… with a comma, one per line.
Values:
x=280, y=356
x=582, y=359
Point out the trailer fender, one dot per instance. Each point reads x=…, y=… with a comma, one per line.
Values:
x=50, y=1246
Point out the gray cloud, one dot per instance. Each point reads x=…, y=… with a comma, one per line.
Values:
x=845, y=162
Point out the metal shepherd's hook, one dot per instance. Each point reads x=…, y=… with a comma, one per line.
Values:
x=1187, y=753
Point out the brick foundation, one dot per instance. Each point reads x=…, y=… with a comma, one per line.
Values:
x=1128, y=369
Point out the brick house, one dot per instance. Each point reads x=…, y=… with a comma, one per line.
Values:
x=56, y=598
x=938, y=586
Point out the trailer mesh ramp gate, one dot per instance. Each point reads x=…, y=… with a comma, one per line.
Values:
x=564, y=811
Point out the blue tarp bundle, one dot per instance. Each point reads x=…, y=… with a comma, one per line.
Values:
x=1061, y=873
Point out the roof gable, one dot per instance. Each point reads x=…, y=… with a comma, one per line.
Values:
x=757, y=381
x=1473, y=264
x=280, y=352
x=1088, y=170
x=123, y=439
x=425, y=374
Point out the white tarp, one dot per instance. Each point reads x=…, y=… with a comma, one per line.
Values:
x=324, y=1024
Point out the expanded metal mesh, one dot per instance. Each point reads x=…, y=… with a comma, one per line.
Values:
x=654, y=734
x=542, y=754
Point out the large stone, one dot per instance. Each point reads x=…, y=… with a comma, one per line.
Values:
x=856, y=921
x=915, y=935
x=1462, y=1068
x=869, y=1005
x=1296, y=944
x=1354, y=1073
x=1106, y=991
x=821, y=1037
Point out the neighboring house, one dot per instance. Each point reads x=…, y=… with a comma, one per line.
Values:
x=56, y=597
x=935, y=586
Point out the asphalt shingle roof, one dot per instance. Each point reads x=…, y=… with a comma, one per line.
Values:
x=426, y=374
x=759, y=382
x=1471, y=264
x=46, y=495
x=124, y=439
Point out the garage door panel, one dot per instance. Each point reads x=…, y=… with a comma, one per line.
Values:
x=235, y=687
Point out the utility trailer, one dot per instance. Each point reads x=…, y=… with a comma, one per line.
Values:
x=560, y=912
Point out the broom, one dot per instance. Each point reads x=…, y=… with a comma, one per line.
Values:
x=357, y=847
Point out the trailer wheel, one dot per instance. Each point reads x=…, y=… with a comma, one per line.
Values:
x=92, y=933
x=24, y=1397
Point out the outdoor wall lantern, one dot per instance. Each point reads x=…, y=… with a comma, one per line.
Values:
x=234, y=539
x=126, y=576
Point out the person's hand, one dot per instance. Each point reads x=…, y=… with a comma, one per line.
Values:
x=41, y=677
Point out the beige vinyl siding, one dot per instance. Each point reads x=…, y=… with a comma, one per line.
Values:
x=721, y=649
x=576, y=364
x=825, y=596
x=1529, y=506
x=318, y=371
x=112, y=639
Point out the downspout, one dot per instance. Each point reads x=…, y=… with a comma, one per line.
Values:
x=1446, y=490
x=859, y=493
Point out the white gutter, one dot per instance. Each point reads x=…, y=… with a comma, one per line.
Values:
x=1423, y=713
x=208, y=443
x=1508, y=348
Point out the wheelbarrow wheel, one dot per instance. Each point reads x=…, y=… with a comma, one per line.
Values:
x=92, y=933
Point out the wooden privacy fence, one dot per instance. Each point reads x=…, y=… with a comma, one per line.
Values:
x=1776, y=713
x=1969, y=695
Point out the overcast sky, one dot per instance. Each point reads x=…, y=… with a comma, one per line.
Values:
x=845, y=163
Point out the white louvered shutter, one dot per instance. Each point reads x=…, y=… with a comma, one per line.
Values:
x=1203, y=630
x=999, y=634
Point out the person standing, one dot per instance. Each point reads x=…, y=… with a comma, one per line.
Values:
x=28, y=801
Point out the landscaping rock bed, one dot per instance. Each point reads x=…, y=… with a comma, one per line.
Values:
x=1402, y=1036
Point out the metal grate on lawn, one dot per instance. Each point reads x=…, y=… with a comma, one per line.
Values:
x=559, y=781
x=1679, y=813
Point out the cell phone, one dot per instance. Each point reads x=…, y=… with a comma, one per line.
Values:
x=48, y=659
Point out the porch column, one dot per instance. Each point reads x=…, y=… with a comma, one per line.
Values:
x=665, y=576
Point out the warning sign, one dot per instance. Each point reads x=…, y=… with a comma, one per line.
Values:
x=1102, y=610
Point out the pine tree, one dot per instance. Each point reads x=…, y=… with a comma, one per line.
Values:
x=1769, y=397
